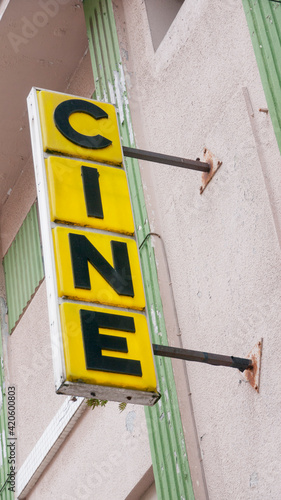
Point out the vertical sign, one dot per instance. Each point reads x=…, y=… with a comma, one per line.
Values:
x=100, y=339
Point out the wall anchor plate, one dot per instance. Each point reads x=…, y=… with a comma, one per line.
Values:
x=253, y=375
x=214, y=163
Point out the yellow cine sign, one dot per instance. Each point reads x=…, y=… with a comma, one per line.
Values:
x=106, y=344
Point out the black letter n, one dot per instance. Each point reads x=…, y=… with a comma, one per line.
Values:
x=118, y=277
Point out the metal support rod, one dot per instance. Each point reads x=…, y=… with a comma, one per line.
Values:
x=175, y=161
x=203, y=357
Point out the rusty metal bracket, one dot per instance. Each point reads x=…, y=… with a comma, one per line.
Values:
x=174, y=161
x=214, y=163
x=253, y=375
x=250, y=366
x=209, y=358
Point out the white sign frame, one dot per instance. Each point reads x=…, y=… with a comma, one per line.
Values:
x=63, y=386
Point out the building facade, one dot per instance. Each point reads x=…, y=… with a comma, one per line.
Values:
x=195, y=80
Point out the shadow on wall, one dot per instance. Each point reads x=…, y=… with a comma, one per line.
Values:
x=160, y=14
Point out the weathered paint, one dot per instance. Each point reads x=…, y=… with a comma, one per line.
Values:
x=168, y=450
x=264, y=21
x=23, y=267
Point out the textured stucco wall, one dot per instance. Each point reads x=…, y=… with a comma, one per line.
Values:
x=223, y=247
x=106, y=452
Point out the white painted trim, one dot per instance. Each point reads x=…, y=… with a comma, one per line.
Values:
x=47, y=240
x=62, y=385
x=3, y=7
x=48, y=444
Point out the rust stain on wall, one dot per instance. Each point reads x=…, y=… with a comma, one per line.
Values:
x=214, y=163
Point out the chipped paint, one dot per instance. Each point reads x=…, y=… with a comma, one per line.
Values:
x=111, y=93
x=183, y=447
x=119, y=96
x=154, y=321
x=4, y=443
x=122, y=78
x=169, y=418
x=177, y=465
x=129, y=123
x=105, y=97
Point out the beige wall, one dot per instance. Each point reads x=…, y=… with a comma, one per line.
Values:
x=201, y=88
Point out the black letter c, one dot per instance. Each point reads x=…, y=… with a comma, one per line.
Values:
x=67, y=108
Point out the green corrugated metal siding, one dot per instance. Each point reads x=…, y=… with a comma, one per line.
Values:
x=264, y=21
x=170, y=465
x=5, y=494
x=23, y=267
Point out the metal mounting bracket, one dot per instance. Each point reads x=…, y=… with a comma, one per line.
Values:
x=208, y=358
x=174, y=161
x=250, y=366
